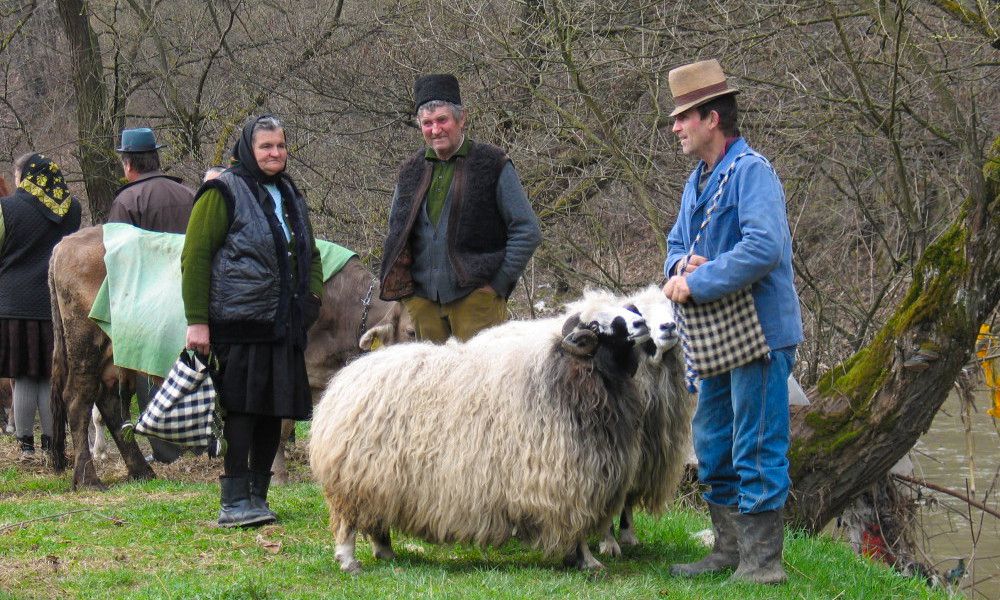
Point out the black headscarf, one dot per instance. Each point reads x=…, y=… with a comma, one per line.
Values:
x=246, y=163
x=42, y=179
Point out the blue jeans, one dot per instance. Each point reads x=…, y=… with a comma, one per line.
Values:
x=741, y=434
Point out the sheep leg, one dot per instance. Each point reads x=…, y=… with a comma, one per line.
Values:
x=581, y=558
x=98, y=443
x=626, y=527
x=381, y=543
x=346, y=539
x=609, y=546
x=279, y=467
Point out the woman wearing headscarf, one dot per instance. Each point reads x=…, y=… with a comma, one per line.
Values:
x=32, y=221
x=251, y=285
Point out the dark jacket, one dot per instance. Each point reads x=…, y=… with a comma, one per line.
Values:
x=24, y=257
x=155, y=202
x=476, y=232
x=253, y=296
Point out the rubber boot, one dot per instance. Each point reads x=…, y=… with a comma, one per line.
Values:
x=259, y=483
x=27, y=445
x=761, y=537
x=725, y=553
x=236, y=510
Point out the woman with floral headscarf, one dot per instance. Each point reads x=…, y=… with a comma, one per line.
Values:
x=32, y=221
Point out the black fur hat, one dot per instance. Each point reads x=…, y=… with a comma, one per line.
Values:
x=435, y=87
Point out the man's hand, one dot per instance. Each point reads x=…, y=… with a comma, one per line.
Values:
x=695, y=262
x=677, y=289
x=197, y=339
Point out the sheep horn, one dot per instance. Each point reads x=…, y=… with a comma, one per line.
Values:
x=580, y=342
x=571, y=323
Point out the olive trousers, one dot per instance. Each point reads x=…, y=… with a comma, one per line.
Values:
x=462, y=318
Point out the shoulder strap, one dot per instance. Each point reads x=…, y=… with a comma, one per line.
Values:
x=714, y=202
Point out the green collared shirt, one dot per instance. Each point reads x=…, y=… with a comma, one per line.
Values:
x=444, y=172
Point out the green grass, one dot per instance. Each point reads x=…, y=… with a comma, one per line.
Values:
x=157, y=539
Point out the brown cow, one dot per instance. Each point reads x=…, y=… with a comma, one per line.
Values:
x=83, y=372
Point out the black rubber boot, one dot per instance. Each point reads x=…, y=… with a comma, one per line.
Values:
x=725, y=553
x=27, y=444
x=259, y=483
x=236, y=510
x=762, y=536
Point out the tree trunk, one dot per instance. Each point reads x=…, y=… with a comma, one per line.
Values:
x=96, y=138
x=869, y=411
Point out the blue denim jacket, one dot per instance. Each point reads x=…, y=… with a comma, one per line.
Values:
x=747, y=243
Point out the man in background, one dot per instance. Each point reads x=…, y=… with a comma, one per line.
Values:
x=151, y=199
x=154, y=201
x=461, y=229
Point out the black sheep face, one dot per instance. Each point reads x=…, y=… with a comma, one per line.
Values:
x=609, y=334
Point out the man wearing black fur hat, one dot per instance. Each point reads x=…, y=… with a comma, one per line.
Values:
x=461, y=229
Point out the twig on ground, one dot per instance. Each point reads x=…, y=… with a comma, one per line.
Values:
x=12, y=526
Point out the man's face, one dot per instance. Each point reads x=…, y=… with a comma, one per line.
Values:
x=441, y=130
x=694, y=132
x=270, y=151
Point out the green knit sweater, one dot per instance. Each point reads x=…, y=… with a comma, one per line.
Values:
x=206, y=232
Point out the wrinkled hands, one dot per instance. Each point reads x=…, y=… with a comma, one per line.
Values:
x=197, y=339
x=676, y=288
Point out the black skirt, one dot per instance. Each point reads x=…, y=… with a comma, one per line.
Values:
x=25, y=348
x=263, y=379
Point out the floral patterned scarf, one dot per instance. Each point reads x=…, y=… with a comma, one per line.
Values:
x=42, y=179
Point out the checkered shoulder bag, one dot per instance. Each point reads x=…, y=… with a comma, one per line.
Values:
x=184, y=409
x=721, y=335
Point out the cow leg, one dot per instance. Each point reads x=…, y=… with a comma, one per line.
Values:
x=113, y=410
x=80, y=407
x=279, y=468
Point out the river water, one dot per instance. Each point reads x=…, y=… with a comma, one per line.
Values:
x=940, y=457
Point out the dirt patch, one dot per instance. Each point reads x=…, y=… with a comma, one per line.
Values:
x=188, y=468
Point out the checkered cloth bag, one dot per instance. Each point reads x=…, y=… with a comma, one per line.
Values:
x=184, y=410
x=724, y=334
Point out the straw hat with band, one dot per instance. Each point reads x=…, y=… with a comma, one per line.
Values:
x=696, y=84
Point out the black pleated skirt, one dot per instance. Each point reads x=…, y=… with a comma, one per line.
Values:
x=25, y=348
x=263, y=379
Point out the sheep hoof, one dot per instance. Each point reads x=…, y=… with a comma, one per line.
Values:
x=352, y=566
x=626, y=537
x=592, y=564
x=609, y=547
x=384, y=553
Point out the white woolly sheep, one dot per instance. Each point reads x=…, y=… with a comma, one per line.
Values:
x=528, y=430
x=666, y=423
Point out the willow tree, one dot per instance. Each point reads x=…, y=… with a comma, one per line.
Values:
x=869, y=411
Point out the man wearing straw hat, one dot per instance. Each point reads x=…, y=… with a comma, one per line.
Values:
x=741, y=425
